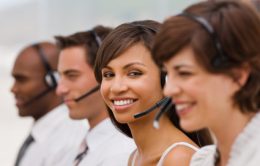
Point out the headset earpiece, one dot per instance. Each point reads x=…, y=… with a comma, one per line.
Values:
x=220, y=61
x=51, y=77
x=96, y=37
x=163, y=78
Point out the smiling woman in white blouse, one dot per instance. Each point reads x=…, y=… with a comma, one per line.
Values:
x=130, y=84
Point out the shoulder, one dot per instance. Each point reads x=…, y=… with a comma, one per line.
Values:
x=204, y=156
x=179, y=155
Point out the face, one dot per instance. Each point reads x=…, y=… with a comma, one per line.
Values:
x=202, y=99
x=28, y=74
x=76, y=78
x=131, y=83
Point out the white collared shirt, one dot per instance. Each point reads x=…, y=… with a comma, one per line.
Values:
x=107, y=146
x=57, y=138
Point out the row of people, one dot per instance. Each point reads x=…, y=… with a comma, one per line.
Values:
x=210, y=60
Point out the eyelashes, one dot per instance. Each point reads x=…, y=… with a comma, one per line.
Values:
x=107, y=74
x=131, y=74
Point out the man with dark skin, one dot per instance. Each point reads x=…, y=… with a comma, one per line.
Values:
x=34, y=90
x=28, y=73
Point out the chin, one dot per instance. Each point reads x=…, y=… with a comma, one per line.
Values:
x=75, y=114
x=123, y=120
x=76, y=117
x=189, y=126
x=23, y=113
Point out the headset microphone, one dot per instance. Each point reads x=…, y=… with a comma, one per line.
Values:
x=38, y=96
x=165, y=108
x=88, y=93
x=157, y=105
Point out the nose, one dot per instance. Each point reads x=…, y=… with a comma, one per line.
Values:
x=171, y=88
x=61, y=89
x=14, y=88
x=118, y=86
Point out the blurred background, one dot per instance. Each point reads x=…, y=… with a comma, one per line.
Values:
x=27, y=21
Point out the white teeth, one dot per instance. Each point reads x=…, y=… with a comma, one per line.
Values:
x=180, y=107
x=123, y=102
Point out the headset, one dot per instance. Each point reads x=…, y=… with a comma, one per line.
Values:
x=51, y=77
x=96, y=37
x=221, y=60
x=165, y=104
x=96, y=88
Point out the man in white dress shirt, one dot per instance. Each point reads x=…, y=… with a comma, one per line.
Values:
x=103, y=145
x=54, y=137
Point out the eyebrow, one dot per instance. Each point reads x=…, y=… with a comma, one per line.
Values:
x=132, y=64
x=177, y=67
x=18, y=75
x=68, y=71
x=128, y=65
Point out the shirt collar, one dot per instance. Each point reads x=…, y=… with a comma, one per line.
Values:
x=44, y=126
x=100, y=133
x=246, y=136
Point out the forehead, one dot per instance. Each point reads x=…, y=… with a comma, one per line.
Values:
x=185, y=56
x=136, y=53
x=29, y=62
x=73, y=58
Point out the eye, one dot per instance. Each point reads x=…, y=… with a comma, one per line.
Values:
x=72, y=76
x=185, y=73
x=107, y=74
x=21, y=79
x=135, y=73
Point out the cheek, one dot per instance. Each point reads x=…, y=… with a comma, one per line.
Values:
x=208, y=97
x=104, y=90
x=194, y=88
x=86, y=82
x=34, y=87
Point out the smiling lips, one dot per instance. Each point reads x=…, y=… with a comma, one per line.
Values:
x=122, y=104
x=183, y=108
x=68, y=101
x=19, y=102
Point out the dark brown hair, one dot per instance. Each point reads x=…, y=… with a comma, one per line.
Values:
x=90, y=40
x=123, y=37
x=237, y=27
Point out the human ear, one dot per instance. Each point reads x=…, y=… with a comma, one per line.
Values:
x=241, y=75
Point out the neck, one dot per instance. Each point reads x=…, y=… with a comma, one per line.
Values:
x=226, y=132
x=93, y=122
x=153, y=142
x=49, y=102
